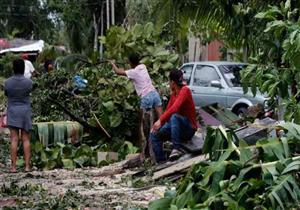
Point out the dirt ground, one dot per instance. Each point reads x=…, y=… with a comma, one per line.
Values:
x=100, y=192
x=93, y=188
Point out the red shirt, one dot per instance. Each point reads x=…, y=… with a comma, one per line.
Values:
x=181, y=104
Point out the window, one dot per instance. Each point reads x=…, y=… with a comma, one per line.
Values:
x=187, y=72
x=204, y=75
x=232, y=74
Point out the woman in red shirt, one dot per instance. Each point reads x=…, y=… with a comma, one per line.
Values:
x=178, y=122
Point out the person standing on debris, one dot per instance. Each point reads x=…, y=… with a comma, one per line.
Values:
x=17, y=89
x=29, y=69
x=142, y=83
x=178, y=122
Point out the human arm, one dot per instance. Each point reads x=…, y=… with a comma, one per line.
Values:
x=119, y=71
x=156, y=126
x=176, y=104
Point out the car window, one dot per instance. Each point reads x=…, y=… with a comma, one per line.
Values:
x=204, y=75
x=232, y=74
x=187, y=72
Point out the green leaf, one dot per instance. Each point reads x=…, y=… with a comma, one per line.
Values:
x=293, y=166
x=167, y=65
x=160, y=204
x=161, y=53
x=281, y=189
x=182, y=199
x=173, y=58
x=287, y=5
x=245, y=154
x=68, y=163
x=109, y=105
x=115, y=119
x=81, y=160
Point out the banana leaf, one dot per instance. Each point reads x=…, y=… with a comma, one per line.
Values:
x=51, y=133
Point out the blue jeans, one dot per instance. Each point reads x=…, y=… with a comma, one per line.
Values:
x=151, y=100
x=178, y=129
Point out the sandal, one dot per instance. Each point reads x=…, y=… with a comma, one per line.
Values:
x=175, y=154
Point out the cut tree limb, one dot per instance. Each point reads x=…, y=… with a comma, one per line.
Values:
x=81, y=121
x=178, y=167
x=102, y=128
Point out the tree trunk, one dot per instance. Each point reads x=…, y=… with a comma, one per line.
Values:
x=112, y=12
x=280, y=109
x=96, y=31
x=245, y=54
x=101, y=29
x=107, y=15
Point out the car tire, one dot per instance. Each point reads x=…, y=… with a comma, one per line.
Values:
x=240, y=110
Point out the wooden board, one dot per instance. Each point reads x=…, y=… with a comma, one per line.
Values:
x=178, y=167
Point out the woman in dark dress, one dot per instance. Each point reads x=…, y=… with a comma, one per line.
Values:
x=17, y=89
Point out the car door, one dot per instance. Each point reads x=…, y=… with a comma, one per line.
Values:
x=187, y=72
x=203, y=92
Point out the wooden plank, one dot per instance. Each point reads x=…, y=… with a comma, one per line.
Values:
x=178, y=167
x=208, y=119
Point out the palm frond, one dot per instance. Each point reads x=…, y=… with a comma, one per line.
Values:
x=284, y=191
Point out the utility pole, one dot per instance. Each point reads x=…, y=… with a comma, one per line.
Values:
x=107, y=14
x=112, y=12
x=102, y=29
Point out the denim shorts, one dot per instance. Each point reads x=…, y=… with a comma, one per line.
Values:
x=151, y=100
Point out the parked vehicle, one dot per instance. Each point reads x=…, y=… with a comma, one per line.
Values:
x=219, y=82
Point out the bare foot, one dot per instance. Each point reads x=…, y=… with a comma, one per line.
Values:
x=13, y=170
x=28, y=169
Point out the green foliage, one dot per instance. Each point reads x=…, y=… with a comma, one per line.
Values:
x=127, y=148
x=275, y=68
x=14, y=190
x=82, y=20
x=110, y=97
x=51, y=133
x=26, y=19
x=4, y=151
x=64, y=156
x=144, y=40
x=6, y=61
x=69, y=156
x=263, y=176
x=34, y=196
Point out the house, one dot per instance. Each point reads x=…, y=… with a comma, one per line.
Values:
x=18, y=46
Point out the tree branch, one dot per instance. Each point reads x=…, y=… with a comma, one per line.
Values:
x=81, y=121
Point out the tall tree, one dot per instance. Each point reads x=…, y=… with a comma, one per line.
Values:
x=83, y=20
x=26, y=19
x=231, y=21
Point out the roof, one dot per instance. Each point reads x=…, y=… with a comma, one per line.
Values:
x=28, y=46
x=217, y=63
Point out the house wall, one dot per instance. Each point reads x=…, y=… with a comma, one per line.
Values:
x=199, y=52
x=213, y=51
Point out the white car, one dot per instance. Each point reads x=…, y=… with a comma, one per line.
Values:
x=219, y=82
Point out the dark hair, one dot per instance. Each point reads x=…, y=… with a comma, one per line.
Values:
x=18, y=66
x=176, y=76
x=134, y=59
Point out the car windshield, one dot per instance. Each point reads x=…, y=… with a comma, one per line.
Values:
x=232, y=74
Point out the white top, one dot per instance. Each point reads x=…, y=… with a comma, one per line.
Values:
x=29, y=69
x=141, y=80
